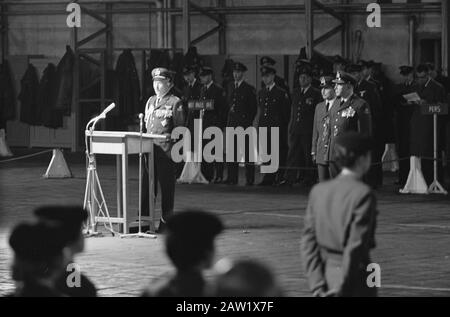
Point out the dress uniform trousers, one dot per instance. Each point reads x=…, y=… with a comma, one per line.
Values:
x=233, y=167
x=299, y=156
x=164, y=170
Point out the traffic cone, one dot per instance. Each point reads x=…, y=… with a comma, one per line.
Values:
x=192, y=173
x=416, y=183
x=58, y=167
x=4, y=149
x=390, y=159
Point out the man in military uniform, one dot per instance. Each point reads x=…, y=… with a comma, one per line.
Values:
x=300, y=129
x=430, y=91
x=280, y=82
x=70, y=220
x=191, y=92
x=369, y=92
x=163, y=113
x=39, y=261
x=216, y=117
x=321, y=130
x=340, y=222
x=189, y=243
x=403, y=119
x=350, y=113
x=241, y=99
x=273, y=112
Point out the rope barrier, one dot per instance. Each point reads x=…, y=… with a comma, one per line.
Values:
x=25, y=156
x=300, y=168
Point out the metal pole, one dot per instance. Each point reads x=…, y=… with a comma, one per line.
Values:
x=309, y=27
x=76, y=92
x=186, y=25
x=445, y=37
x=435, y=154
x=412, y=31
x=109, y=37
x=222, y=31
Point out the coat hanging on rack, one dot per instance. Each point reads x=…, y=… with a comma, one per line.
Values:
x=28, y=96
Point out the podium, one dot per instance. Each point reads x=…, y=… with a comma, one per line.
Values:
x=123, y=144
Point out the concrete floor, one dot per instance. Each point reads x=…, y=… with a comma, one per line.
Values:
x=413, y=233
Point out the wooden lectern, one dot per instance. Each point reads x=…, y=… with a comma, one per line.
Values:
x=123, y=144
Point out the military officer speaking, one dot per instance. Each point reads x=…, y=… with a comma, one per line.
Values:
x=241, y=98
x=349, y=113
x=163, y=113
x=300, y=129
x=321, y=130
x=273, y=112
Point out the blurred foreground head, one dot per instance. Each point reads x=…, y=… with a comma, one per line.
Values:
x=190, y=239
x=38, y=252
x=244, y=278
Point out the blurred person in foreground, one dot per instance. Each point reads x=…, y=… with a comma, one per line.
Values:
x=189, y=243
x=70, y=220
x=244, y=278
x=39, y=260
x=340, y=222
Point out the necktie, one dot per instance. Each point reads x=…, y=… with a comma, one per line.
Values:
x=236, y=85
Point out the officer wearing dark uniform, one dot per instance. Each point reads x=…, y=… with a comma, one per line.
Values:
x=322, y=128
x=430, y=91
x=189, y=243
x=280, y=82
x=369, y=92
x=304, y=102
x=216, y=117
x=340, y=223
x=273, y=112
x=39, y=260
x=241, y=99
x=70, y=220
x=191, y=91
x=163, y=113
x=350, y=113
x=403, y=119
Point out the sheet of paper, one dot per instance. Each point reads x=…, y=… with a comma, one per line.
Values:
x=412, y=97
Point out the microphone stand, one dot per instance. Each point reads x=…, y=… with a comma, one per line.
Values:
x=140, y=234
x=91, y=201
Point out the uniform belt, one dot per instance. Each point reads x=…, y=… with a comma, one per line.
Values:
x=327, y=254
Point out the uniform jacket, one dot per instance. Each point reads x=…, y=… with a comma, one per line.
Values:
x=47, y=94
x=280, y=82
x=187, y=284
x=322, y=132
x=128, y=84
x=403, y=115
x=353, y=115
x=369, y=92
x=64, y=84
x=218, y=116
x=340, y=221
x=242, y=105
x=7, y=95
x=302, y=111
x=28, y=96
x=161, y=118
x=273, y=107
x=422, y=125
x=191, y=93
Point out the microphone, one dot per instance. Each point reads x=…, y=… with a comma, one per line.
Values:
x=141, y=116
x=108, y=109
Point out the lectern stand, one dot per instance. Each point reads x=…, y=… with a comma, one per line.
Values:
x=123, y=144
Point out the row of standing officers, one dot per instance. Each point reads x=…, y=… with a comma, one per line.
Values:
x=307, y=124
